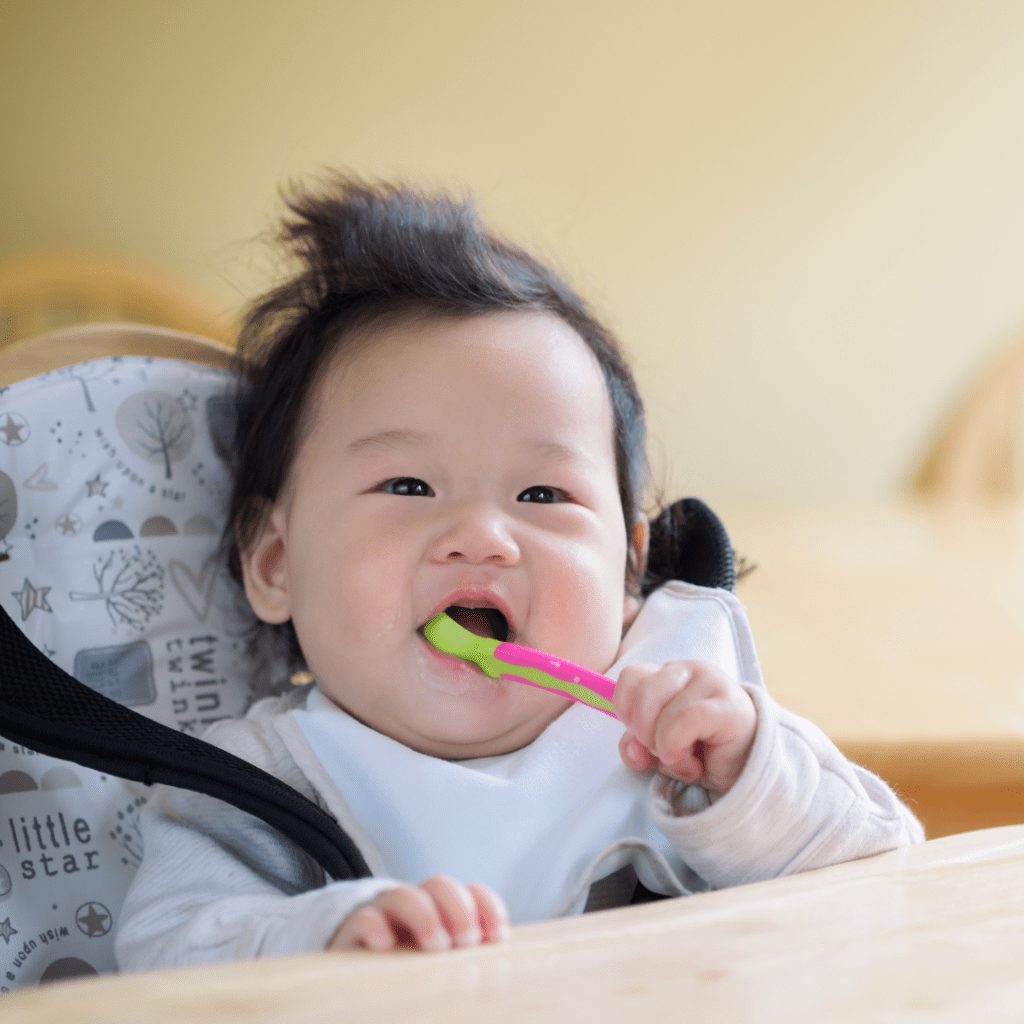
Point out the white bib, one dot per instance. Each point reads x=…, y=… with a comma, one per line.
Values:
x=527, y=823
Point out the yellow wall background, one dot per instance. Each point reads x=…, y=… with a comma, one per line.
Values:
x=805, y=219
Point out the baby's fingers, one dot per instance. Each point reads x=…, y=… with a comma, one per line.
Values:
x=491, y=912
x=708, y=739
x=635, y=755
x=432, y=916
x=642, y=692
x=365, y=928
x=406, y=915
x=682, y=738
x=471, y=913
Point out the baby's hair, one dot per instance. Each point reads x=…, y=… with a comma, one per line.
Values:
x=373, y=255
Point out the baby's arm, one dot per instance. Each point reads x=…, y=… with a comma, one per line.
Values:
x=217, y=884
x=796, y=804
x=773, y=802
x=688, y=720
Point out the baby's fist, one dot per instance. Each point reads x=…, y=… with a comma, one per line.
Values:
x=688, y=720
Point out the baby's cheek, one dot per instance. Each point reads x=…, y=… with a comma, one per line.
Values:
x=609, y=625
x=370, y=595
x=605, y=612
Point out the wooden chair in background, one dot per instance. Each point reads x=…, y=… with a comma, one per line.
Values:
x=45, y=292
x=979, y=453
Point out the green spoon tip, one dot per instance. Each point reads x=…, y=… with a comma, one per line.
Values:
x=444, y=633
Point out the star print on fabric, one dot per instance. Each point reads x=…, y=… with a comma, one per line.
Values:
x=93, y=919
x=68, y=525
x=96, y=486
x=14, y=430
x=188, y=400
x=30, y=598
x=6, y=931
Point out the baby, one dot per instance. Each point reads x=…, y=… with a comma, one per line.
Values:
x=434, y=421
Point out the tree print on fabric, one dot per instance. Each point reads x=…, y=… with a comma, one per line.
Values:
x=156, y=427
x=85, y=374
x=130, y=583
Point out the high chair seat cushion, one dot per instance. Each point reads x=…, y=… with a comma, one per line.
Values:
x=113, y=494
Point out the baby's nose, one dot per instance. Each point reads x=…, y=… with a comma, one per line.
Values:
x=478, y=536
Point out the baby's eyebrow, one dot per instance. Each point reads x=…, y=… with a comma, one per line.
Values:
x=555, y=448
x=389, y=440
x=561, y=452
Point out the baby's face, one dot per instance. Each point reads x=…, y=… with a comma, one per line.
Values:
x=450, y=463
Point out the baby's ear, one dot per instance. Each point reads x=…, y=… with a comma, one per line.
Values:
x=265, y=573
x=640, y=541
x=636, y=565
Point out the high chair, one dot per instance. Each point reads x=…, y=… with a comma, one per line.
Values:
x=43, y=707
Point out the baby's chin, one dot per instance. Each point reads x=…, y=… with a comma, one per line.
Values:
x=458, y=727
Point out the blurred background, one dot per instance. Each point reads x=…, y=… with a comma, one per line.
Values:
x=805, y=220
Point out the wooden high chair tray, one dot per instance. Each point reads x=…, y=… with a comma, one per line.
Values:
x=934, y=932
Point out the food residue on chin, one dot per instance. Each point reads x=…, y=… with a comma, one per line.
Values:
x=454, y=687
x=472, y=679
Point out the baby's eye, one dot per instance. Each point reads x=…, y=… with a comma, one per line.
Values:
x=543, y=495
x=409, y=487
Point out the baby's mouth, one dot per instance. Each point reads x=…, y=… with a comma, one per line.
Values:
x=487, y=622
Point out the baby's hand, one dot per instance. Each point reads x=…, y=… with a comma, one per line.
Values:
x=688, y=720
x=434, y=915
